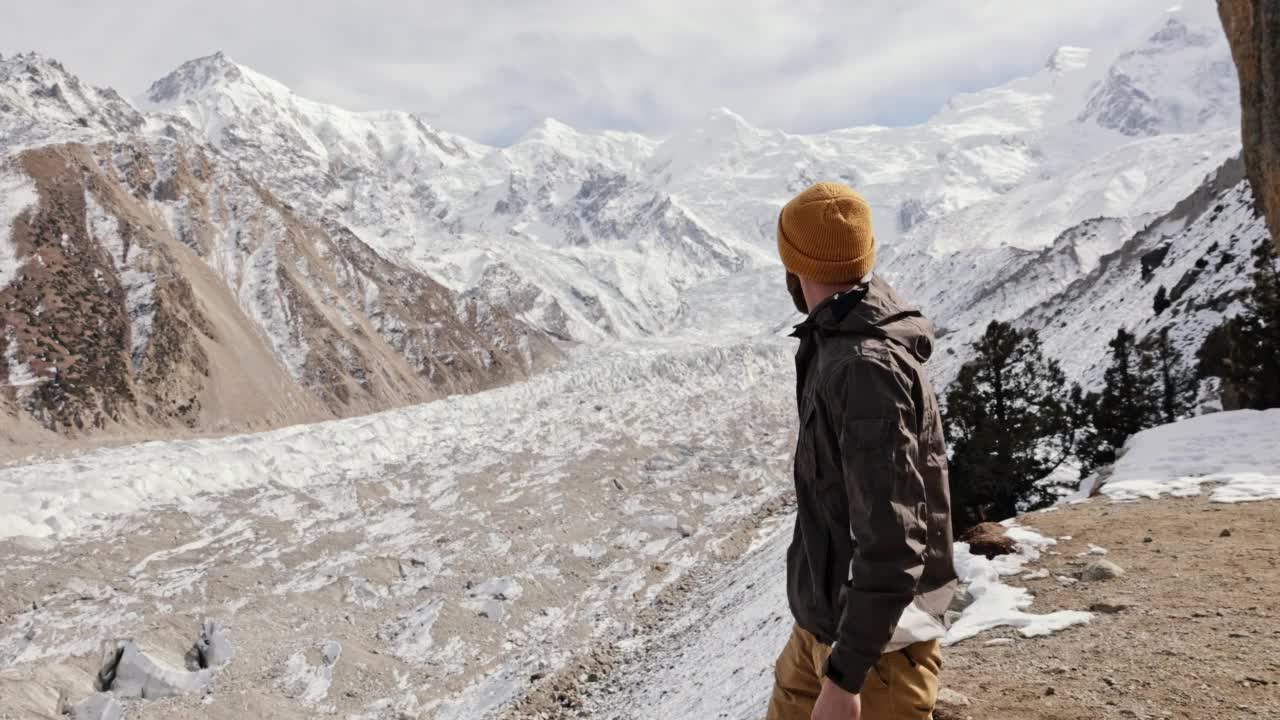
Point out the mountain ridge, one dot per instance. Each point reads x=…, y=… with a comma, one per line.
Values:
x=608, y=237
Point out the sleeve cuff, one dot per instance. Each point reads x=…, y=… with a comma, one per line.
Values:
x=848, y=676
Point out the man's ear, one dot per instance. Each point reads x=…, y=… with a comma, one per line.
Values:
x=797, y=293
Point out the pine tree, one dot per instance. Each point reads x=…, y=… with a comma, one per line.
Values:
x=1177, y=382
x=1245, y=350
x=1125, y=406
x=1009, y=421
x=1161, y=302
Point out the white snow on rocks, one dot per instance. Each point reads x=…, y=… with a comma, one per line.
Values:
x=1237, y=454
x=21, y=376
x=410, y=634
x=133, y=263
x=264, y=299
x=488, y=597
x=311, y=682
x=17, y=193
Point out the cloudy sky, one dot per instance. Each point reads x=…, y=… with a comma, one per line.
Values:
x=492, y=69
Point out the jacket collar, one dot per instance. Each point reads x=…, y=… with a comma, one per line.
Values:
x=833, y=310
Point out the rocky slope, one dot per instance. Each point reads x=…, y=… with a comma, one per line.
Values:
x=1253, y=28
x=151, y=283
x=1197, y=255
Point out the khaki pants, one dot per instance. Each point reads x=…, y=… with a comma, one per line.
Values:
x=902, y=685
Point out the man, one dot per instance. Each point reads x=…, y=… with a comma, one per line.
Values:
x=869, y=570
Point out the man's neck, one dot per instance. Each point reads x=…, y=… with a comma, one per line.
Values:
x=816, y=293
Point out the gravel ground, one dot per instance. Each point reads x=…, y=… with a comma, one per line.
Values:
x=1196, y=634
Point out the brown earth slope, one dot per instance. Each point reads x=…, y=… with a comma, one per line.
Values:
x=160, y=289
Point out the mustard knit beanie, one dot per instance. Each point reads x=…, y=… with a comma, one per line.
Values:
x=824, y=234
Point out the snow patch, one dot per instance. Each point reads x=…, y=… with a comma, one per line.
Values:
x=489, y=597
x=21, y=376
x=133, y=266
x=311, y=682
x=410, y=633
x=17, y=194
x=996, y=604
x=1236, y=453
x=265, y=300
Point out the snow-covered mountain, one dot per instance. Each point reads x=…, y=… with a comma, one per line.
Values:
x=1001, y=206
x=1141, y=97
x=224, y=254
x=146, y=280
x=603, y=234
x=1198, y=254
x=40, y=101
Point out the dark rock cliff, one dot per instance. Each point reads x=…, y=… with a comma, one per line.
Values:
x=1253, y=27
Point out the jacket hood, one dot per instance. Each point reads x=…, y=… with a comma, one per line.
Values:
x=875, y=310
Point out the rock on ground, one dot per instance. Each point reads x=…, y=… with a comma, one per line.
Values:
x=212, y=649
x=131, y=674
x=1101, y=570
x=1110, y=607
x=98, y=706
x=989, y=540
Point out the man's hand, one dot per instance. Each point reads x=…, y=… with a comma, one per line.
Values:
x=836, y=703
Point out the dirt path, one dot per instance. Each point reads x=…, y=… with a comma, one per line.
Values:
x=1199, y=638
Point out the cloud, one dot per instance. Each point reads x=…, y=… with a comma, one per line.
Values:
x=491, y=70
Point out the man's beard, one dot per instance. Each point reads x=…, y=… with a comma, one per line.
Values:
x=797, y=294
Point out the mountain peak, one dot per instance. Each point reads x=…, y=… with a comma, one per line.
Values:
x=43, y=102
x=1176, y=32
x=33, y=64
x=550, y=129
x=1180, y=80
x=194, y=76
x=1068, y=59
x=723, y=117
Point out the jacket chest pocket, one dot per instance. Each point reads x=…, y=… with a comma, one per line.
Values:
x=817, y=465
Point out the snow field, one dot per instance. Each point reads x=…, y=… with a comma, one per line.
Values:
x=1236, y=453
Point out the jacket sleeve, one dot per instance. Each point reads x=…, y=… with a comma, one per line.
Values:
x=871, y=406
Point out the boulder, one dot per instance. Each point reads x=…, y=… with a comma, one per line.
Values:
x=989, y=540
x=128, y=673
x=951, y=697
x=212, y=649
x=98, y=706
x=1101, y=570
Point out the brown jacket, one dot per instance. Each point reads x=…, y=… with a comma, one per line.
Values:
x=873, y=523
